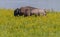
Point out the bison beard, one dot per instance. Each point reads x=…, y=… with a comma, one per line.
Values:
x=16, y=12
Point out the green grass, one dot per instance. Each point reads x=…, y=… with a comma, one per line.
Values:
x=41, y=26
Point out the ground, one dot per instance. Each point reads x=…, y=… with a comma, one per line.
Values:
x=31, y=26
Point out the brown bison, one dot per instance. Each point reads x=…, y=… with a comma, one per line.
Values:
x=28, y=11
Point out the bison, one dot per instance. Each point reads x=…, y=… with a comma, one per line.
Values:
x=28, y=11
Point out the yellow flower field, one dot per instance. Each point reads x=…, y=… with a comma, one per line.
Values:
x=31, y=26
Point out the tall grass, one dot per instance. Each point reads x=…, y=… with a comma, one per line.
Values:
x=41, y=26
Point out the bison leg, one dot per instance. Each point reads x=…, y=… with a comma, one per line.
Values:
x=28, y=14
x=44, y=14
x=25, y=14
x=36, y=14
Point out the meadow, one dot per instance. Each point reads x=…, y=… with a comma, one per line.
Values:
x=31, y=26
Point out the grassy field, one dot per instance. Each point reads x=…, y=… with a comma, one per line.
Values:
x=41, y=26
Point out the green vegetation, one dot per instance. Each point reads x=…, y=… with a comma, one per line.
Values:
x=41, y=26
